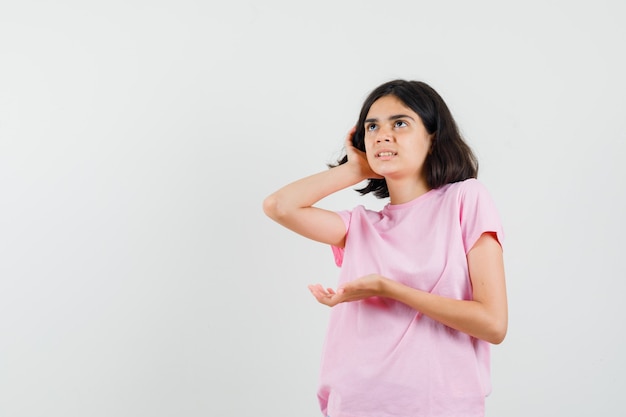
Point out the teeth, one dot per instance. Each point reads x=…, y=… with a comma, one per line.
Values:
x=386, y=154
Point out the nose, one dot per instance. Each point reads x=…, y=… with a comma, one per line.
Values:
x=384, y=135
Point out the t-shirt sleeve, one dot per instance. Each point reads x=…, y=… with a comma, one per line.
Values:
x=337, y=251
x=478, y=214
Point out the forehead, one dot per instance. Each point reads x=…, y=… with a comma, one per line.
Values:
x=389, y=105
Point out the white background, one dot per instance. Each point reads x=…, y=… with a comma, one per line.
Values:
x=138, y=274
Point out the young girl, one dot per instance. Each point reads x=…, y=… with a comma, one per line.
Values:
x=421, y=291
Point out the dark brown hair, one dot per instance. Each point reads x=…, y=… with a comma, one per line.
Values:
x=450, y=160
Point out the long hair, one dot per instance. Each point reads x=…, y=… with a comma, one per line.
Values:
x=450, y=159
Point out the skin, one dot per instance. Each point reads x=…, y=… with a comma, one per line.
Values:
x=395, y=130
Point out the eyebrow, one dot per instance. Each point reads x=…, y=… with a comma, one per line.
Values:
x=394, y=117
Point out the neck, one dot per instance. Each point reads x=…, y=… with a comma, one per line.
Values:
x=403, y=191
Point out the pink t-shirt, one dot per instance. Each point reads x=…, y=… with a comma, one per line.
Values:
x=384, y=359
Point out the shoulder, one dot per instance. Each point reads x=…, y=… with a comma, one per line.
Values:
x=468, y=185
x=359, y=212
x=363, y=211
x=470, y=197
x=475, y=203
x=468, y=189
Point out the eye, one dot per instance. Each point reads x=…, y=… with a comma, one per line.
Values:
x=400, y=123
x=370, y=127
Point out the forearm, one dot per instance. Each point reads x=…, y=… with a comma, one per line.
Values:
x=472, y=317
x=307, y=191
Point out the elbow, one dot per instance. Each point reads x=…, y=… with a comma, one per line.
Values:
x=272, y=207
x=497, y=338
x=497, y=332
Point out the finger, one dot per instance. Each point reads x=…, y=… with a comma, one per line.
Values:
x=349, y=137
x=324, y=299
x=320, y=293
x=315, y=290
x=319, y=297
x=316, y=287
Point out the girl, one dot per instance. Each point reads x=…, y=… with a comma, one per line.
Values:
x=421, y=290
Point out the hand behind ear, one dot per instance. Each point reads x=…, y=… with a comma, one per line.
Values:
x=358, y=158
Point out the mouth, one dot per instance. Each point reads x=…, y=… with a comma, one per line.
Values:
x=385, y=154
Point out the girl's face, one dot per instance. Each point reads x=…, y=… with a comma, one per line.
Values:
x=396, y=141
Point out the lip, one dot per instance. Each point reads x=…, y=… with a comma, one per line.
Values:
x=385, y=154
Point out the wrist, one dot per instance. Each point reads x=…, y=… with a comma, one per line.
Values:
x=394, y=290
x=352, y=173
x=386, y=287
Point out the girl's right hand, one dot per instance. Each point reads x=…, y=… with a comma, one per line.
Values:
x=358, y=159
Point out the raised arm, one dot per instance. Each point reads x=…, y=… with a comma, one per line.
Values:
x=292, y=205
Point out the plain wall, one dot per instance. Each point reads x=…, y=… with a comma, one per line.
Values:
x=138, y=274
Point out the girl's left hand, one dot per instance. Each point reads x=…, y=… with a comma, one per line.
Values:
x=359, y=289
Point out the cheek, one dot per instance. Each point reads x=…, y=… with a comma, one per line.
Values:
x=369, y=154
